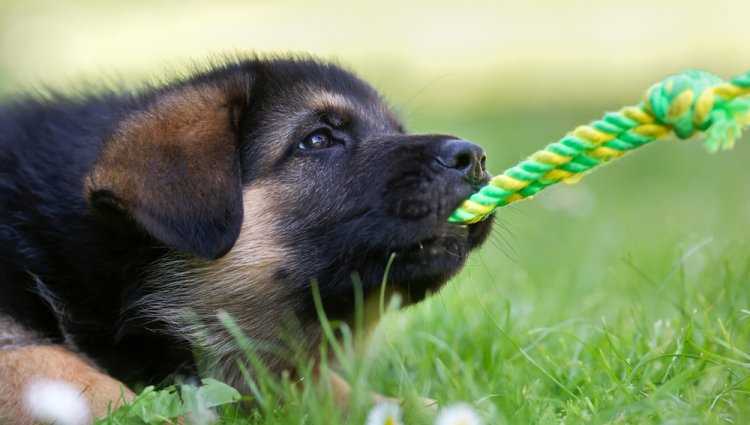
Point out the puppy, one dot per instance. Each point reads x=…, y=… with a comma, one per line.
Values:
x=128, y=220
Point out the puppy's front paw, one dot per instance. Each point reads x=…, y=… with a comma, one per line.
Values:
x=51, y=384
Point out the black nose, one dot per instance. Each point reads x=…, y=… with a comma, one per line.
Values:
x=463, y=156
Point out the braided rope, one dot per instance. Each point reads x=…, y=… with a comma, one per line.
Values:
x=685, y=104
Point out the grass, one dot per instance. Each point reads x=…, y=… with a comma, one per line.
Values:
x=620, y=300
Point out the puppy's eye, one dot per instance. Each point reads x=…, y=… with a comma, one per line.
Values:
x=320, y=139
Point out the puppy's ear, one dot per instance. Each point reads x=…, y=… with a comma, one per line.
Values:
x=174, y=168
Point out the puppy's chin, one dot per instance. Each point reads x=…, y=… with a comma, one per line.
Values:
x=426, y=265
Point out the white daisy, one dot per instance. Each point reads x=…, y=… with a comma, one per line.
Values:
x=458, y=414
x=385, y=413
x=56, y=402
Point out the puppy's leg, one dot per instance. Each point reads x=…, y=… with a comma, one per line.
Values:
x=23, y=366
x=342, y=392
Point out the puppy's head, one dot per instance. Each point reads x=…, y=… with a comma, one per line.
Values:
x=264, y=176
x=349, y=187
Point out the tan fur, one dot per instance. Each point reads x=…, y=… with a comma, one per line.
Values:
x=256, y=255
x=340, y=389
x=188, y=130
x=326, y=102
x=320, y=100
x=18, y=367
x=341, y=392
x=282, y=123
x=188, y=292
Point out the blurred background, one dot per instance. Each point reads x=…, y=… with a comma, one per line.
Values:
x=511, y=76
x=532, y=53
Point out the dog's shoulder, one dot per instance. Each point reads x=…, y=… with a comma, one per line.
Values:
x=47, y=144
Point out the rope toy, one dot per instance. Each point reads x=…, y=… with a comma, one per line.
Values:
x=686, y=103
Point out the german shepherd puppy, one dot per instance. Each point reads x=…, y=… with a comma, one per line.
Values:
x=128, y=220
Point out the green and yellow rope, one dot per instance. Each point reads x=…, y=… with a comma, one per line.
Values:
x=683, y=104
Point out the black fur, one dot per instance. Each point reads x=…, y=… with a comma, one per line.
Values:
x=72, y=262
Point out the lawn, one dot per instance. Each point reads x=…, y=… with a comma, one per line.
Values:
x=620, y=300
x=624, y=299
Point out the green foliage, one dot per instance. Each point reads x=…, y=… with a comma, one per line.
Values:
x=154, y=406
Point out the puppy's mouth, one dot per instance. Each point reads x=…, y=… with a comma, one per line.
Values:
x=432, y=247
x=424, y=266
